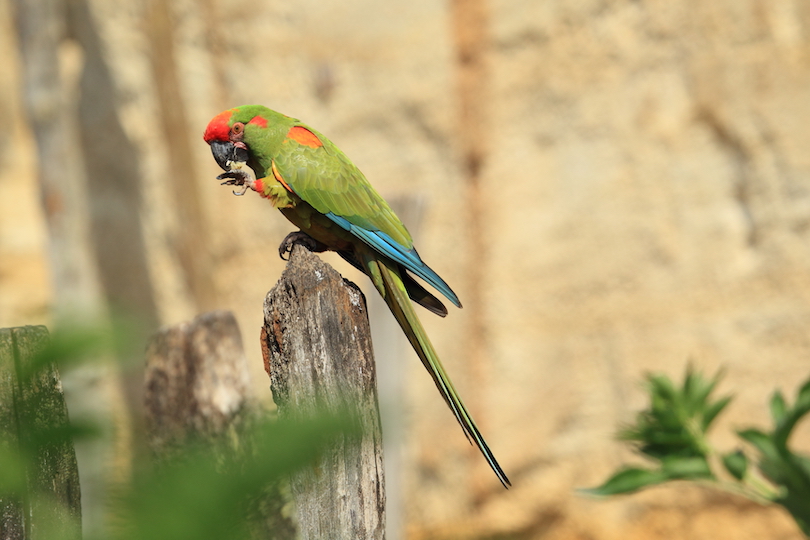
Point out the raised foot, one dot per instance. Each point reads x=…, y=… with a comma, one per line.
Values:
x=299, y=237
x=237, y=177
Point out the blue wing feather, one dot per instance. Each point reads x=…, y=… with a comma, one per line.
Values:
x=408, y=258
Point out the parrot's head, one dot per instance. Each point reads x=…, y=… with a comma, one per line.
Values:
x=243, y=141
x=245, y=132
x=226, y=134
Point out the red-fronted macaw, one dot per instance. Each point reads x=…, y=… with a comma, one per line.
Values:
x=322, y=192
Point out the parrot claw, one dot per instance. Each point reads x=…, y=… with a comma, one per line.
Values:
x=234, y=177
x=237, y=177
x=299, y=237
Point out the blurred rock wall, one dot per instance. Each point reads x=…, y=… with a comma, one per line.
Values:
x=638, y=199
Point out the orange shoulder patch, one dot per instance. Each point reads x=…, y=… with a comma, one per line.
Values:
x=303, y=136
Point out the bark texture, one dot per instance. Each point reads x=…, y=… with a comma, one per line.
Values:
x=198, y=391
x=33, y=420
x=317, y=349
x=197, y=383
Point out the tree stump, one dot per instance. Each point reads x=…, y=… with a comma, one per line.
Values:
x=33, y=424
x=317, y=351
x=197, y=389
x=197, y=382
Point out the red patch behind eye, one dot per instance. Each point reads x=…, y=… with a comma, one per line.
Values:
x=218, y=128
x=258, y=121
x=302, y=135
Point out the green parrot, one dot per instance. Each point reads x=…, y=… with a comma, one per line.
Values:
x=316, y=187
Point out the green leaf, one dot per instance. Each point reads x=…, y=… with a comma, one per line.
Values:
x=691, y=383
x=713, y=410
x=627, y=480
x=661, y=387
x=778, y=407
x=790, y=416
x=676, y=421
x=672, y=431
x=803, y=462
x=761, y=441
x=12, y=472
x=680, y=468
x=696, y=391
x=803, y=397
x=736, y=464
x=201, y=495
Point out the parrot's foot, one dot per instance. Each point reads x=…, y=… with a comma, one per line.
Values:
x=299, y=237
x=238, y=175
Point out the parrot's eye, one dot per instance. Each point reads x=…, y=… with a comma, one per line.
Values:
x=238, y=128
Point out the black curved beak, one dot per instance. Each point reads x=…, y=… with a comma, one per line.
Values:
x=226, y=151
x=223, y=153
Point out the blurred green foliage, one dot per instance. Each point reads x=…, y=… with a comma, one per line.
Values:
x=672, y=433
x=201, y=494
x=196, y=493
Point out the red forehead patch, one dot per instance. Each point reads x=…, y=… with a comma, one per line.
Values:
x=218, y=128
x=302, y=135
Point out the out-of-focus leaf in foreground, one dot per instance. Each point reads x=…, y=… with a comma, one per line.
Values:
x=202, y=495
x=200, y=491
x=672, y=432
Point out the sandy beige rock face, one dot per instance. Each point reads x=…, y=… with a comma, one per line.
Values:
x=644, y=203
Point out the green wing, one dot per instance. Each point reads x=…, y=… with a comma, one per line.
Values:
x=326, y=179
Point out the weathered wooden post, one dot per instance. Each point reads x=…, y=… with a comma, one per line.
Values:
x=33, y=422
x=317, y=352
x=197, y=383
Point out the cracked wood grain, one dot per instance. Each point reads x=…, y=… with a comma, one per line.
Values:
x=317, y=346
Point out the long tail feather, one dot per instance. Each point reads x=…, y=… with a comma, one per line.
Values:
x=387, y=279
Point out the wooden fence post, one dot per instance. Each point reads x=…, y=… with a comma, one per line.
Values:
x=33, y=422
x=317, y=351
